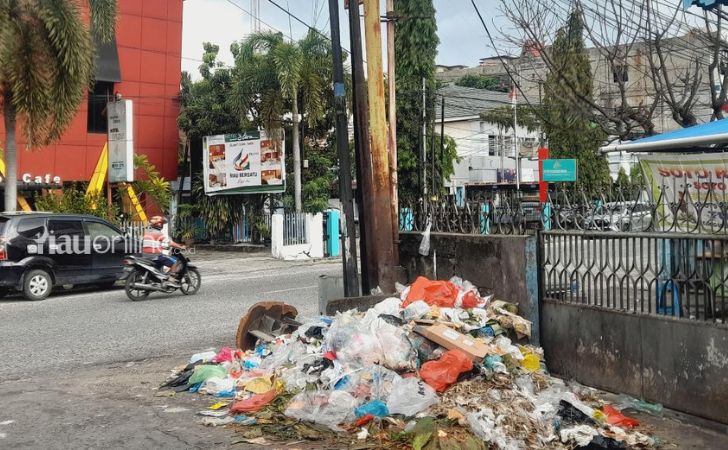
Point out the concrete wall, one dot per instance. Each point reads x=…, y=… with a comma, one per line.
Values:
x=680, y=363
x=503, y=265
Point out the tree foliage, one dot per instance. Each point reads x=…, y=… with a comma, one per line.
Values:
x=571, y=132
x=486, y=82
x=153, y=185
x=46, y=65
x=416, y=48
x=527, y=116
x=74, y=200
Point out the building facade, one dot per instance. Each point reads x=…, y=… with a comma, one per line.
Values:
x=142, y=64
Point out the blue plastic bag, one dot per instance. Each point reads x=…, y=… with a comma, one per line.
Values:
x=376, y=408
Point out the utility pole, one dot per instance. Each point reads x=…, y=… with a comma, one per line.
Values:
x=423, y=143
x=514, y=102
x=363, y=156
x=392, y=119
x=348, y=235
x=442, y=133
x=381, y=196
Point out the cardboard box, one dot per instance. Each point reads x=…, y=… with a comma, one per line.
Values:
x=451, y=339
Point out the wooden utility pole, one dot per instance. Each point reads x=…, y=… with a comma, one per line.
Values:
x=348, y=235
x=392, y=119
x=360, y=107
x=381, y=194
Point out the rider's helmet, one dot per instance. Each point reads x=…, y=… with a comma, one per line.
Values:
x=157, y=222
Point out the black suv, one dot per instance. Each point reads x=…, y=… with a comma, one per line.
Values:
x=42, y=250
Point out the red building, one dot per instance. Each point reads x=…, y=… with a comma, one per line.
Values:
x=143, y=64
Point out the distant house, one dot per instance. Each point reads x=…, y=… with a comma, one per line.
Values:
x=485, y=150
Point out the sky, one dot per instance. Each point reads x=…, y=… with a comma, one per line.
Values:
x=462, y=37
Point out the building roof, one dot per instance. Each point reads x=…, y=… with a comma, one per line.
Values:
x=465, y=102
x=704, y=135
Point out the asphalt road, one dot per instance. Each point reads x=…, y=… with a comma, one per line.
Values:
x=71, y=330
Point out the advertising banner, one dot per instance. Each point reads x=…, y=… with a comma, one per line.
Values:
x=243, y=163
x=120, y=121
x=696, y=182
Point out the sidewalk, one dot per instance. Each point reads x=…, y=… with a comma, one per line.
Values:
x=118, y=406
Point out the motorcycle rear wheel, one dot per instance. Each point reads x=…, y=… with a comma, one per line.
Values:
x=133, y=293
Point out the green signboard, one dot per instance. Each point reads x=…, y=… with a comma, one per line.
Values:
x=558, y=170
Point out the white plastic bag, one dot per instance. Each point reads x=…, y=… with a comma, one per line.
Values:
x=410, y=396
x=328, y=408
x=415, y=310
x=425, y=243
x=216, y=385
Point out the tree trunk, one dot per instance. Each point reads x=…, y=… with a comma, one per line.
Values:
x=11, y=178
x=296, y=154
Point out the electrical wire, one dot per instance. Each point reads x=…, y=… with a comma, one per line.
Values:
x=310, y=27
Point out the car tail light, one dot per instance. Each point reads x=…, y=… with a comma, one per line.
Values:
x=3, y=249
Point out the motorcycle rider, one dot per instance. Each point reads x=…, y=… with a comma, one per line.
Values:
x=157, y=242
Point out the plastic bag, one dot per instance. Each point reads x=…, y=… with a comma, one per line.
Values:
x=225, y=355
x=202, y=356
x=375, y=408
x=352, y=342
x=445, y=371
x=410, y=396
x=396, y=349
x=254, y=403
x=614, y=417
x=626, y=402
x=415, y=310
x=388, y=306
x=328, y=408
x=440, y=293
x=283, y=354
x=217, y=385
x=424, y=249
x=205, y=371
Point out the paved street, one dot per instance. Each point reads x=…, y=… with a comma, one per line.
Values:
x=69, y=330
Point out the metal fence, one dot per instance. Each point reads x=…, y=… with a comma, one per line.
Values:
x=294, y=228
x=241, y=231
x=677, y=274
x=135, y=230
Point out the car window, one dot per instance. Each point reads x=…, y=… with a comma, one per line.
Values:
x=96, y=229
x=72, y=228
x=32, y=227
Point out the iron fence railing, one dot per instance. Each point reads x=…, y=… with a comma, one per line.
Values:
x=678, y=274
x=294, y=228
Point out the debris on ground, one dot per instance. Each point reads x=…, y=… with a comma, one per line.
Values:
x=438, y=367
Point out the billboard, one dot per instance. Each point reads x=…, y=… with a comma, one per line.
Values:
x=243, y=163
x=694, y=183
x=120, y=123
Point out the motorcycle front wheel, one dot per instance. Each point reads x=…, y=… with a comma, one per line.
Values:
x=132, y=292
x=190, y=283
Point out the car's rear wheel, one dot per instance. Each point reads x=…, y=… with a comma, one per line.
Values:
x=133, y=293
x=37, y=284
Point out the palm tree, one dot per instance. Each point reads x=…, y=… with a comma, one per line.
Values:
x=270, y=73
x=47, y=62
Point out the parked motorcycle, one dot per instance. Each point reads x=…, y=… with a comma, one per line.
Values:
x=147, y=276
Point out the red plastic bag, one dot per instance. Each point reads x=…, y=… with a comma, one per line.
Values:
x=254, y=403
x=615, y=417
x=226, y=354
x=440, y=293
x=445, y=371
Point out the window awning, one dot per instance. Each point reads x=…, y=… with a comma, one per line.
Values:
x=107, y=61
x=705, y=135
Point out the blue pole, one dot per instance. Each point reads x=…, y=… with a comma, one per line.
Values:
x=332, y=233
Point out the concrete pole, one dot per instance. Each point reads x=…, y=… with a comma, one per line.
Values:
x=381, y=194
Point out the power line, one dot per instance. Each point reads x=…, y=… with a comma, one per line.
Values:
x=253, y=16
x=310, y=27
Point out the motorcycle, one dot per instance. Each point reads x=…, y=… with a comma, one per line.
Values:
x=146, y=276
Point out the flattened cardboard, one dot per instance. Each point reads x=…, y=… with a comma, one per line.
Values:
x=451, y=339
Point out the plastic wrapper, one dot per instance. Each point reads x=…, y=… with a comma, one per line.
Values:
x=614, y=417
x=202, y=356
x=442, y=373
x=411, y=396
x=626, y=402
x=581, y=435
x=205, y=371
x=329, y=408
x=225, y=355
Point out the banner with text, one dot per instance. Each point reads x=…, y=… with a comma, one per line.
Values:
x=243, y=163
x=698, y=183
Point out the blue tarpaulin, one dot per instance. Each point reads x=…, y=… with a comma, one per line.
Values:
x=705, y=4
x=704, y=135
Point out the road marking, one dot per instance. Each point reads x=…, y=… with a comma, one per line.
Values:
x=287, y=290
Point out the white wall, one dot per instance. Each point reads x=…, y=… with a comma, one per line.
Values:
x=314, y=246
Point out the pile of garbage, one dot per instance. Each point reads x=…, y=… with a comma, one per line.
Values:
x=439, y=366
